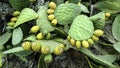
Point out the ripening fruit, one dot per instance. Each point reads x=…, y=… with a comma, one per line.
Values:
x=68, y=38
x=16, y=13
x=85, y=44
x=26, y=45
x=95, y=38
x=90, y=41
x=72, y=42
x=35, y=29
x=48, y=36
x=45, y=50
x=54, y=22
x=51, y=17
x=39, y=36
x=78, y=44
x=98, y=33
x=36, y=46
x=52, y=5
x=48, y=58
x=11, y=24
x=50, y=11
x=58, y=50
x=14, y=19
x=107, y=14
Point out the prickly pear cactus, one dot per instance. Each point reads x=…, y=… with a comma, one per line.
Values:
x=65, y=13
x=82, y=28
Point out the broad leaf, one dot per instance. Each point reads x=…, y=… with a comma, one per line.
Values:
x=96, y=58
x=98, y=20
x=4, y=38
x=13, y=50
x=42, y=21
x=82, y=28
x=17, y=36
x=116, y=28
x=26, y=15
x=109, y=6
x=108, y=58
x=117, y=46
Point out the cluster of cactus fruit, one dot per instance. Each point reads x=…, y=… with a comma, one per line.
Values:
x=13, y=19
x=50, y=11
x=37, y=47
x=86, y=43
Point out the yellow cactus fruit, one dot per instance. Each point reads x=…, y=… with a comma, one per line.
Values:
x=62, y=46
x=107, y=14
x=51, y=17
x=11, y=24
x=50, y=11
x=14, y=19
x=39, y=36
x=35, y=29
x=90, y=41
x=48, y=36
x=58, y=50
x=26, y=45
x=72, y=42
x=45, y=50
x=68, y=37
x=66, y=2
x=54, y=22
x=16, y=13
x=78, y=4
x=95, y=38
x=78, y=44
x=36, y=46
x=98, y=33
x=85, y=44
x=52, y=5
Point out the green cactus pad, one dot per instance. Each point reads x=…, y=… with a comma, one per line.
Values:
x=82, y=28
x=65, y=13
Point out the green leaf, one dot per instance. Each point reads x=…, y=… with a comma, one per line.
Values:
x=17, y=36
x=84, y=8
x=4, y=38
x=108, y=6
x=31, y=38
x=24, y=59
x=13, y=50
x=98, y=20
x=42, y=21
x=58, y=2
x=109, y=58
x=50, y=43
x=116, y=28
x=96, y=58
x=82, y=28
x=117, y=46
x=26, y=15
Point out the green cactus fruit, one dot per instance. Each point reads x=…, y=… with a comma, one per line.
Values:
x=82, y=28
x=65, y=13
x=48, y=58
